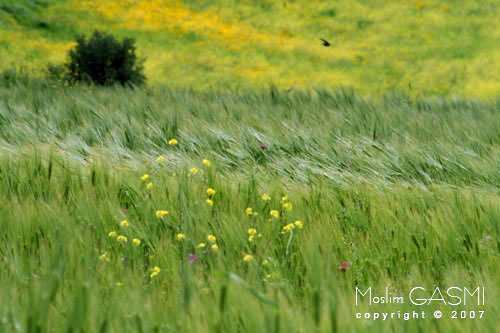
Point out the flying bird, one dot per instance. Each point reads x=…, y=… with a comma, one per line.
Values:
x=325, y=42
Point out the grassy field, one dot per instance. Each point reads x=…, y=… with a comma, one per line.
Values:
x=260, y=182
x=434, y=47
x=404, y=189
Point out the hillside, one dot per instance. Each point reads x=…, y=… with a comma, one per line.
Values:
x=430, y=47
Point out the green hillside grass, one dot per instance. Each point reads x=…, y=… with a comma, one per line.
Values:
x=427, y=47
x=405, y=189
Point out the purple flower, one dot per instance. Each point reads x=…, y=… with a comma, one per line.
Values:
x=193, y=258
x=347, y=164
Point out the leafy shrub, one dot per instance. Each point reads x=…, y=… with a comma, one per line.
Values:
x=103, y=60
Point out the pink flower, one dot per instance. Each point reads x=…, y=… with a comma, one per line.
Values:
x=262, y=147
x=193, y=258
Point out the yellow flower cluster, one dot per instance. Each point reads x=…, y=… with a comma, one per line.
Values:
x=172, y=142
x=207, y=163
x=251, y=234
x=247, y=258
x=180, y=237
x=289, y=227
x=156, y=271
x=210, y=191
x=266, y=197
x=145, y=177
x=124, y=224
x=160, y=213
x=160, y=159
x=274, y=213
x=122, y=239
x=104, y=257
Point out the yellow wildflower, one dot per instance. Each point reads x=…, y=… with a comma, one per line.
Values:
x=251, y=238
x=172, y=142
x=285, y=198
x=121, y=239
x=124, y=224
x=210, y=191
x=160, y=213
x=201, y=245
x=136, y=241
x=248, y=211
x=259, y=235
x=211, y=238
x=112, y=234
x=144, y=177
x=215, y=247
x=287, y=206
x=265, y=262
x=288, y=227
x=119, y=284
x=252, y=231
x=266, y=197
x=248, y=258
x=104, y=257
x=156, y=271
x=160, y=159
x=180, y=237
x=149, y=186
x=207, y=163
x=193, y=171
x=210, y=202
x=274, y=213
x=298, y=224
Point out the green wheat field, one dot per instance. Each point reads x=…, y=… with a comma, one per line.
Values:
x=217, y=199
